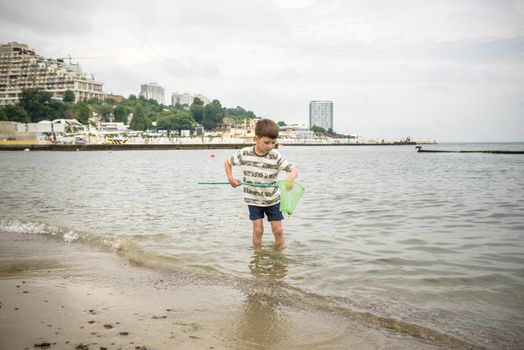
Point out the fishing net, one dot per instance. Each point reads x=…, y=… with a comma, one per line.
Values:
x=290, y=194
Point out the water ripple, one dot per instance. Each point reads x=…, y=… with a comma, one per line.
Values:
x=433, y=240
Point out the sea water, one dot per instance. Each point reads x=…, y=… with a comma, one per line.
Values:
x=416, y=242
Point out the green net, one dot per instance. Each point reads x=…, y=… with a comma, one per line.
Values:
x=290, y=194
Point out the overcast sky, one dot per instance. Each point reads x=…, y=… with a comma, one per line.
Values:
x=450, y=70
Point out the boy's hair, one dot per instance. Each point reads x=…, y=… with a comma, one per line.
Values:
x=267, y=128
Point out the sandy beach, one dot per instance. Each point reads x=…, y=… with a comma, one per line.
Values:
x=58, y=295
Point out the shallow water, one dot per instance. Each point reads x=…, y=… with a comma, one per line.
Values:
x=408, y=241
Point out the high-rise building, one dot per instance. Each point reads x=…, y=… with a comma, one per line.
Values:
x=152, y=91
x=321, y=114
x=21, y=68
x=187, y=99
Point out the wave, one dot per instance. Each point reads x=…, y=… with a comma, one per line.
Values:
x=129, y=247
x=65, y=233
x=268, y=288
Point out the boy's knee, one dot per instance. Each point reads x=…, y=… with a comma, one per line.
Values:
x=258, y=228
x=278, y=231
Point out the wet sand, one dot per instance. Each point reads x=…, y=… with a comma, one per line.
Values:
x=58, y=295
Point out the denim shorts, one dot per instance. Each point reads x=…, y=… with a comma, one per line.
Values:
x=273, y=212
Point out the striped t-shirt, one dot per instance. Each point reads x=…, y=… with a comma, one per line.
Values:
x=260, y=170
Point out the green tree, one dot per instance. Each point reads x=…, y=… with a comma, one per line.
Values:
x=213, y=115
x=181, y=120
x=110, y=101
x=105, y=112
x=57, y=110
x=3, y=115
x=94, y=101
x=167, y=122
x=318, y=130
x=16, y=113
x=197, y=110
x=69, y=96
x=184, y=121
x=121, y=112
x=70, y=111
x=36, y=103
x=281, y=123
x=82, y=112
x=140, y=121
x=238, y=114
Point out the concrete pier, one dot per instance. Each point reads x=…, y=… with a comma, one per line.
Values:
x=122, y=147
x=479, y=151
x=169, y=146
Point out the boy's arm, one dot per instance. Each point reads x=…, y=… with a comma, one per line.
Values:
x=293, y=173
x=229, y=173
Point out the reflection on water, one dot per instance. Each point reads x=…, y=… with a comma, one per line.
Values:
x=268, y=264
x=261, y=319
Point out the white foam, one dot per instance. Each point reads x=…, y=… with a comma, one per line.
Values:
x=70, y=236
x=21, y=227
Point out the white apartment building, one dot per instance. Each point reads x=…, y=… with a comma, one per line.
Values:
x=295, y=132
x=21, y=68
x=186, y=98
x=152, y=91
x=321, y=114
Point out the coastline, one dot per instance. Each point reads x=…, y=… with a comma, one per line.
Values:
x=61, y=295
x=167, y=146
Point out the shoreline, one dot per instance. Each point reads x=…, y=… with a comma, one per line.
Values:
x=61, y=295
x=191, y=146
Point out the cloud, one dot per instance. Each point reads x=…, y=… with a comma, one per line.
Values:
x=519, y=6
x=393, y=69
x=60, y=17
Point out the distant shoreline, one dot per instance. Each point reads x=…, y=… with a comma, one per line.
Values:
x=134, y=147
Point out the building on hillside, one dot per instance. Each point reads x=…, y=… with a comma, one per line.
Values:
x=245, y=130
x=295, y=132
x=117, y=98
x=321, y=114
x=21, y=68
x=186, y=98
x=199, y=130
x=13, y=132
x=70, y=125
x=152, y=91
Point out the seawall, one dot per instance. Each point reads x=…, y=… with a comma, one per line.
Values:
x=192, y=146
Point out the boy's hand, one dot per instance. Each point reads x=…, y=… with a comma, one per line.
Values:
x=290, y=182
x=234, y=182
x=289, y=185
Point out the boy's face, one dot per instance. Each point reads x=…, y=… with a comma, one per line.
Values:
x=264, y=144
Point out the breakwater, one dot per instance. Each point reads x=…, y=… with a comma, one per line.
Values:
x=122, y=147
x=466, y=151
x=167, y=146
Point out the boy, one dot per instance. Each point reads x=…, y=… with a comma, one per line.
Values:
x=261, y=165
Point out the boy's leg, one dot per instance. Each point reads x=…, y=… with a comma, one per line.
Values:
x=274, y=215
x=276, y=227
x=258, y=231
